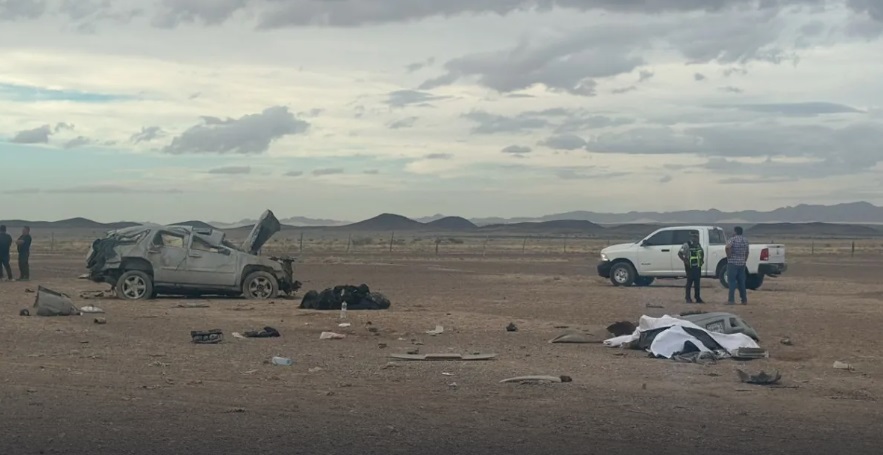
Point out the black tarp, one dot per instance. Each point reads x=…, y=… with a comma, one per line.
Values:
x=356, y=298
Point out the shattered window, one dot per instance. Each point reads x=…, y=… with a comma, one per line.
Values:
x=201, y=245
x=171, y=240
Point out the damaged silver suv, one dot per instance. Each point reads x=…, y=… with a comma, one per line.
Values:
x=143, y=261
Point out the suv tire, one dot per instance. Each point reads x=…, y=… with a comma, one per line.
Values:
x=134, y=285
x=260, y=285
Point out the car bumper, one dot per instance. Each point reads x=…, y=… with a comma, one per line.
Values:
x=604, y=269
x=772, y=269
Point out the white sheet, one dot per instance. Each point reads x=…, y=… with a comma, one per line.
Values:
x=671, y=341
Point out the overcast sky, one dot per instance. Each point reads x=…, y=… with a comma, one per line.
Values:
x=167, y=110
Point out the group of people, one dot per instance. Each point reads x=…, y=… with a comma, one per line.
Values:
x=23, y=245
x=737, y=256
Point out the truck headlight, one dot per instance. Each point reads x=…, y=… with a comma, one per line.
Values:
x=604, y=257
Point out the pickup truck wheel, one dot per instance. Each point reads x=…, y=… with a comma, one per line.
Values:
x=260, y=286
x=134, y=285
x=722, y=274
x=644, y=281
x=622, y=274
x=754, y=281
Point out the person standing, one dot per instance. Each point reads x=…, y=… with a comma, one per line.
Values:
x=694, y=258
x=5, y=246
x=24, y=254
x=737, y=273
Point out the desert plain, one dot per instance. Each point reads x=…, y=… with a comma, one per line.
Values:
x=137, y=385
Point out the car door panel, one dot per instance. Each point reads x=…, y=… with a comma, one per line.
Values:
x=211, y=265
x=167, y=257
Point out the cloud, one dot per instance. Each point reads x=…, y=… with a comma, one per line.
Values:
x=78, y=141
x=731, y=89
x=665, y=179
x=403, y=123
x=147, y=134
x=698, y=77
x=99, y=189
x=39, y=135
x=11, y=10
x=587, y=174
x=416, y=66
x=620, y=91
x=63, y=126
x=517, y=150
x=488, y=123
x=231, y=170
x=250, y=134
x=806, y=109
x=372, y=172
x=645, y=75
x=328, y=171
x=439, y=156
x=402, y=98
x=294, y=173
x=564, y=142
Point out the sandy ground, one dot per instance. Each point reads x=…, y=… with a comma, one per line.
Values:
x=137, y=384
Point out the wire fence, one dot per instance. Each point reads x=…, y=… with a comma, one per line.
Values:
x=311, y=243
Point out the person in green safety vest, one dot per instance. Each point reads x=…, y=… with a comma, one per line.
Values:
x=694, y=258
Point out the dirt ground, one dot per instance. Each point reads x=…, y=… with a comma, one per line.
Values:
x=138, y=385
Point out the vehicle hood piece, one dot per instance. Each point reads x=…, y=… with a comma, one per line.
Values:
x=266, y=226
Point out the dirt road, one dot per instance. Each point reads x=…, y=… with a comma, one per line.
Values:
x=137, y=385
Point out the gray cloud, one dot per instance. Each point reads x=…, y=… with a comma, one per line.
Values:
x=517, y=150
x=587, y=174
x=249, y=134
x=577, y=122
x=699, y=77
x=372, y=172
x=147, y=134
x=106, y=189
x=807, y=109
x=645, y=75
x=417, y=66
x=78, y=141
x=665, y=179
x=294, y=173
x=620, y=91
x=328, y=171
x=11, y=10
x=39, y=135
x=402, y=98
x=488, y=123
x=731, y=89
x=231, y=170
x=564, y=142
x=439, y=156
x=63, y=126
x=403, y=123
x=563, y=121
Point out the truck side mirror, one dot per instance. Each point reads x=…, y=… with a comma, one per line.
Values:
x=644, y=242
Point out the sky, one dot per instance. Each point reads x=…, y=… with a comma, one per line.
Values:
x=165, y=110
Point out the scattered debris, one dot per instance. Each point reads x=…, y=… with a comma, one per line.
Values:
x=721, y=322
x=96, y=294
x=442, y=356
x=511, y=327
x=538, y=379
x=654, y=305
x=314, y=370
x=99, y=321
x=51, y=303
x=696, y=357
x=192, y=305
x=213, y=336
x=29, y=291
x=621, y=328
x=447, y=374
x=331, y=336
x=751, y=353
x=91, y=309
x=24, y=312
x=761, y=378
x=381, y=345
x=438, y=330
x=282, y=361
x=356, y=298
x=574, y=337
x=786, y=341
x=238, y=335
x=235, y=411
x=344, y=324
x=843, y=366
x=266, y=332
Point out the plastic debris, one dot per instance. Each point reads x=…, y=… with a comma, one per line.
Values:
x=761, y=378
x=538, y=379
x=282, y=361
x=438, y=330
x=331, y=336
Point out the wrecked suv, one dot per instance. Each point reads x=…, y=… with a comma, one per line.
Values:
x=143, y=261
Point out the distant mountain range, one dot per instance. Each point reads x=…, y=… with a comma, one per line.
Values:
x=801, y=219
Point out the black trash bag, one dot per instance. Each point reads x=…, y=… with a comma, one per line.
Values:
x=267, y=332
x=356, y=298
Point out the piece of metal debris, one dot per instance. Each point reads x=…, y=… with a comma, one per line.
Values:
x=24, y=312
x=751, y=353
x=761, y=378
x=843, y=366
x=786, y=341
x=575, y=337
x=538, y=379
x=331, y=336
x=192, y=305
x=438, y=330
x=213, y=336
x=511, y=327
x=478, y=356
x=100, y=321
x=91, y=309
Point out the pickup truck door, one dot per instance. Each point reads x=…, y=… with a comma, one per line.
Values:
x=716, y=250
x=654, y=257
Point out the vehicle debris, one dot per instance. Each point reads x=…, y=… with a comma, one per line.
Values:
x=575, y=337
x=97, y=294
x=213, y=336
x=751, y=354
x=344, y=324
x=668, y=336
x=786, y=341
x=91, y=309
x=24, y=312
x=135, y=262
x=843, y=366
x=99, y=321
x=356, y=297
x=537, y=379
x=477, y=356
x=721, y=322
x=761, y=378
x=331, y=336
x=266, y=332
x=51, y=303
x=281, y=361
x=703, y=357
x=437, y=331
x=511, y=327
x=192, y=305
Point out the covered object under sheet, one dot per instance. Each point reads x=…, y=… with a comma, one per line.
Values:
x=668, y=336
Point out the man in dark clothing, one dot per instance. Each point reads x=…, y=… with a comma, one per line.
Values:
x=24, y=254
x=5, y=245
x=694, y=258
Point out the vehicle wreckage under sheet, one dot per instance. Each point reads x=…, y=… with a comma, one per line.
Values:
x=143, y=261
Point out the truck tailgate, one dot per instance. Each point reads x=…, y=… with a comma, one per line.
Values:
x=776, y=253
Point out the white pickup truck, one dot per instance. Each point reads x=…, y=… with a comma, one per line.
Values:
x=656, y=256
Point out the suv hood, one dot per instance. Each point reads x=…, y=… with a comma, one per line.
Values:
x=266, y=226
